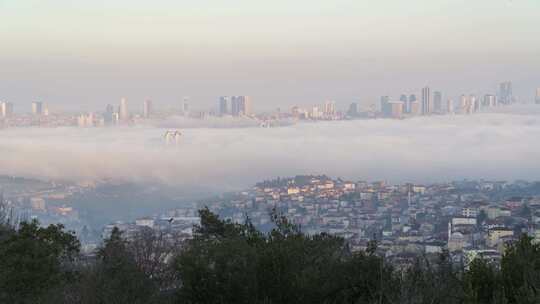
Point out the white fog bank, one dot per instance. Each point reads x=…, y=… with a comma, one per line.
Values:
x=425, y=149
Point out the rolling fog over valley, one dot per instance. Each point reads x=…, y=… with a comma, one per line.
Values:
x=421, y=149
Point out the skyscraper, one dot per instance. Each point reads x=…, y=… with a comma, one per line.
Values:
x=537, y=98
x=147, y=108
x=463, y=104
x=108, y=116
x=223, y=105
x=505, y=92
x=413, y=102
x=123, y=112
x=240, y=105
x=37, y=108
x=235, y=105
x=426, y=101
x=246, y=105
x=437, y=102
x=386, y=106
x=3, y=109
x=6, y=109
x=404, y=100
x=353, y=110
x=474, y=103
x=489, y=100
x=329, y=108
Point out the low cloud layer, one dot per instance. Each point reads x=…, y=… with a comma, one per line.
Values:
x=425, y=149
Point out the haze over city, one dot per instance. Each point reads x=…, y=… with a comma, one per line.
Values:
x=277, y=152
x=214, y=95
x=83, y=55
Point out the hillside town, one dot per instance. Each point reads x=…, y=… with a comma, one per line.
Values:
x=466, y=218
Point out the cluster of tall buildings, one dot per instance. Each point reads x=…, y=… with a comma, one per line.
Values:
x=469, y=104
x=111, y=116
x=427, y=102
x=121, y=114
x=235, y=106
x=410, y=104
x=326, y=111
x=505, y=93
x=38, y=108
x=432, y=103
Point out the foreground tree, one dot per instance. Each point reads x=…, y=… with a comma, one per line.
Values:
x=36, y=263
x=115, y=276
x=227, y=262
x=482, y=283
x=520, y=268
x=234, y=263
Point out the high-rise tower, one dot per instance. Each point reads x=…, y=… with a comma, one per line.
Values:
x=505, y=93
x=147, y=108
x=426, y=101
x=6, y=109
x=123, y=112
x=37, y=108
x=437, y=102
x=223, y=105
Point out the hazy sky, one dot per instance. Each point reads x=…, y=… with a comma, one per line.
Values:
x=72, y=53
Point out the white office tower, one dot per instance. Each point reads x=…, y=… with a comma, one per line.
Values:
x=147, y=108
x=474, y=103
x=426, y=101
x=489, y=101
x=123, y=112
x=37, y=108
x=463, y=101
x=3, y=109
x=450, y=106
x=537, y=98
x=6, y=109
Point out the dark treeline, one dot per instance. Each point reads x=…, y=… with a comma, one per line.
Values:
x=227, y=262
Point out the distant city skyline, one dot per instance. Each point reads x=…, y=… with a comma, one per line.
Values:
x=435, y=102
